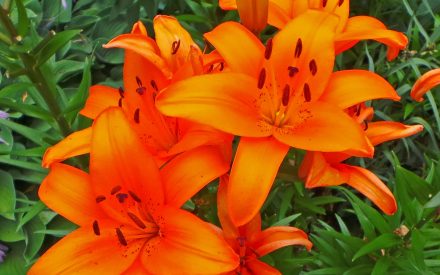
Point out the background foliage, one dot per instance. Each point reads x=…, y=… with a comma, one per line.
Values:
x=50, y=53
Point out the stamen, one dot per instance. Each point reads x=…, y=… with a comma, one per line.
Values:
x=121, y=237
x=365, y=125
x=358, y=110
x=136, y=220
x=211, y=68
x=292, y=71
x=154, y=85
x=241, y=241
x=120, y=102
x=268, y=50
x=340, y=3
x=138, y=81
x=261, y=78
x=136, y=116
x=121, y=197
x=141, y=89
x=298, y=48
x=175, y=47
x=313, y=67
x=100, y=199
x=307, y=94
x=286, y=95
x=222, y=66
x=115, y=189
x=134, y=196
x=324, y=3
x=96, y=228
x=121, y=92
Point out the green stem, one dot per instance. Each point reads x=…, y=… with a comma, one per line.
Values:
x=37, y=77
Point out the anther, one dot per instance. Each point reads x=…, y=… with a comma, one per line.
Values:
x=211, y=68
x=175, y=47
x=100, y=199
x=222, y=66
x=136, y=220
x=307, y=94
x=120, y=102
x=286, y=95
x=154, y=85
x=365, y=125
x=298, y=48
x=134, y=196
x=268, y=50
x=138, y=81
x=261, y=78
x=313, y=67
x=121, y=92
x=292, y=71
x=136, y=116
x=340, y=3
x=121, y=237
x=96, y=228
x=358, y=110
x=324, y=3
x=115, y=189
x=121, y=197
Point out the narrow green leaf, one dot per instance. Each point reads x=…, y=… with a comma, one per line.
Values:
x=287, y=220
x=52, y=45
x=7, y=193
x=31, y=134
x=381, y=266
x=78, y=100
x=383, y=241
x=433, y=202
x=23, y=20
x=29, y=110
x=33, y=241
x=36, y=208
x=22, y=164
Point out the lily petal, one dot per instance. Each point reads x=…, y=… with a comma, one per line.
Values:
x=187, y=245
x=318, y=171
x=228, y=4
x=139, y=28
x=366, y=27
x=255, y=266
x=224, y=101
x=382, y=131
x=173, y=41
x=189, y=172
x=241, y=49
x=118, y=158
x=83, y=252
x=323, y=127
x=76, y=144
x=100, y=98
x=425, y=83
x=253, y=14
x=230, y=231
x=276, y=237
x=251, y=178
x=350, y=87
x=306, y=40
x=370, y=186
x=68, y=191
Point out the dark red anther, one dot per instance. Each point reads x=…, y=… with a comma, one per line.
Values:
x=222, y=66
x=120, y=102
x=138, y=81
x=115, y=189
x=121, y=197
x=286, y=95
x=313, y=67
x=298, y=48
x=121, y=237
x=136, y=220
x=340, y=3
x=154, y=85
x=358, y=110
x=100, y=199
x=136, y=116
x=211, y=68
x=268, y=51
x=175, y=47
x=261, y=78
x=134, y=196
x=324, y=3
x=307, y=94
x=121, y=92
x=141, y=90
x=292, y=71
x=96, y=228
x=241, y=241
x=365, y=125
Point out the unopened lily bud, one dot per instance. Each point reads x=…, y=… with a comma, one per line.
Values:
x=253, y=14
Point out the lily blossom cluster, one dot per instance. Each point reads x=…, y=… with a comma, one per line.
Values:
x=167, y=133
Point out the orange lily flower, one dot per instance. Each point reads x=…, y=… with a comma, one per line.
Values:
x=163, y=136
x=349, y=31
x=250, y=243
x=425, y=83
x=326, y=169
x=128, y=212
x=271, y=98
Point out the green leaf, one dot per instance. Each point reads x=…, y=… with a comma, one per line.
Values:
x=35, y=210
x=33, y=241
x=287, y=220
x=22, y=164
x=31, y=134
x=413, y=184
x=7, y=193
x=78, y=100
x=381, y=266
x=23, y=20
x=52, y=45
x=29, y=110
x=383, y=241
x=14, y=263
x=9, y=232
